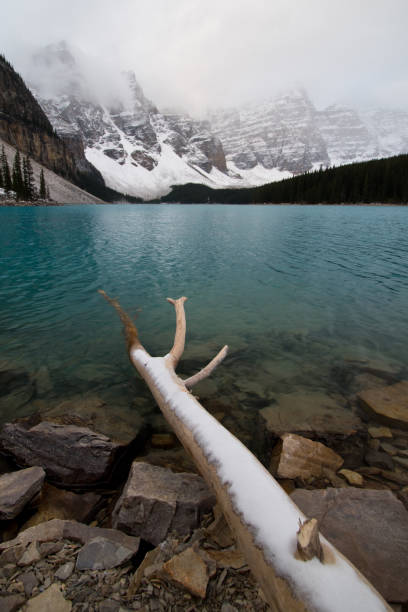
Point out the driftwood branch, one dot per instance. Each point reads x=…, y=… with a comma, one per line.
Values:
x=209, y=368
x=262, y=517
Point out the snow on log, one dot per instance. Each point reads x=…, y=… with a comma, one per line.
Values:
x=261, y=515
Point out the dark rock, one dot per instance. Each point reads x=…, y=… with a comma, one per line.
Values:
x=50, y=548
x=379, y=460
x=12, y=553
x=18, y=488
x=109, y=605
x=29, y=581
x=369, y=527
x=68, y=453
x=156, y=501
x=10, y=603
x=62, y=504
x=30, y=555
x=56, y=530
x=101, y=553
x=65, y=571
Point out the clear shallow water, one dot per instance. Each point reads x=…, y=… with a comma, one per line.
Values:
x=298, y=292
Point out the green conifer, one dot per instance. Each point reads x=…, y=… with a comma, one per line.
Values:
x=17, y=177
x=43, y=186
x=7, y=184
x=28, y=180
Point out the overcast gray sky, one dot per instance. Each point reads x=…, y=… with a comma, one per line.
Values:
x=199, y=53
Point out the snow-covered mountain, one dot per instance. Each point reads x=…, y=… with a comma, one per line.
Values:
x=279, y=134
x=288, y=133
x=142, y=151
x=139, y=150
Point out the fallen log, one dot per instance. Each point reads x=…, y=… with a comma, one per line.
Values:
x=261, y=515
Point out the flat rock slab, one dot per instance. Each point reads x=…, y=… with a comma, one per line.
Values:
x=101, y=553
x=369, y=527
x=298, y=457
x=51, y=600
x=156, y=501
x=17, y=489
x=56, y=530
x=189, y=571
x=388, y=405
x=69, y=454
x=304, y=412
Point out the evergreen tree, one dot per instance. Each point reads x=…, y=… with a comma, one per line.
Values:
x=17, y=180
x=28, y=180
x=43, y=186
x=5, y=170
x=1, y=178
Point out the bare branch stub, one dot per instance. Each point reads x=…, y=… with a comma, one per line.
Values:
x=308, y=541
x=209, y=368
x=180, y=335
x=130, y=329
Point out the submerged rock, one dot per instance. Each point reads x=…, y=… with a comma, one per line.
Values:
x=308, y=412
x=298, y=457
x=156, y=501
x=369, y=527
x=388, y=405
x=16, y=390
x=17, y=489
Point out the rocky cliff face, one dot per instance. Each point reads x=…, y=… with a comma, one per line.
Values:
x=289, y=134
x=282, y=134
x=24, y=125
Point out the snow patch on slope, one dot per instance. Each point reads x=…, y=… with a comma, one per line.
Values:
x=172, y=170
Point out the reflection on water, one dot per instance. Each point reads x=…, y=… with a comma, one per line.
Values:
x=305, y=296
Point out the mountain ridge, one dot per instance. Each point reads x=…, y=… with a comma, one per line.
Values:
x=144, y=152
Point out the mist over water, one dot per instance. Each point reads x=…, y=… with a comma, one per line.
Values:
x=296, y=292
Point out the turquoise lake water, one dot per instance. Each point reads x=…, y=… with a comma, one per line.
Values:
x=301, y=294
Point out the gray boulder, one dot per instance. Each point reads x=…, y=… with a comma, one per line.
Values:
x=156, y=501
x=17, y=489
x=102, y=553
x=369, y=527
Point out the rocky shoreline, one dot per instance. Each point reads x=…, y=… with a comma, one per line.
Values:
x=100, y=514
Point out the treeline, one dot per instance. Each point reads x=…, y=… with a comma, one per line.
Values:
x=18, y=182
x=380, y=180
